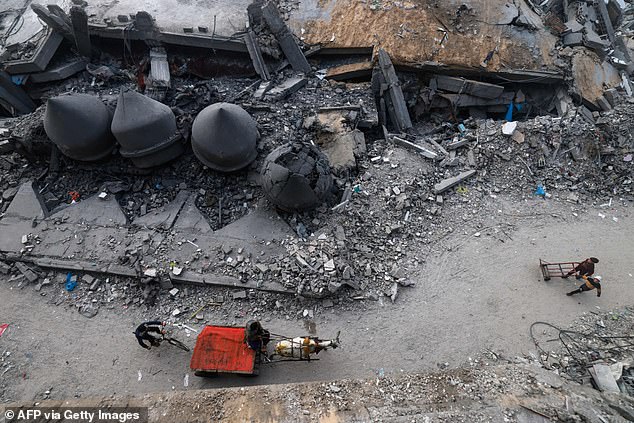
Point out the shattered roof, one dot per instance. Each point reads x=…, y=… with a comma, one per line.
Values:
x=414, y=32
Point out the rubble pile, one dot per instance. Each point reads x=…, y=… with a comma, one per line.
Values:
x=370, y=176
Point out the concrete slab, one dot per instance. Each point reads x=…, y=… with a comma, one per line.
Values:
x=93, y=211
x=164, y=217
x=28, y=25
x=190, y=219
x=448, y=183
x=27, y=204
x=263, y=224
x=220, y=17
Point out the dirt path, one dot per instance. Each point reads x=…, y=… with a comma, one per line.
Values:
x=483, y=293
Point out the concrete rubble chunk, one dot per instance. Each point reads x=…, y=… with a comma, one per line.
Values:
x=604, y=379
x=224, y=137
x=284, y=36
x=146, y=130
x=79, y=125
x=467, y=86
x=286, y=88
x=448, y=183
x=509, y=128
x=29, y=274
x=251, y=41
x=415, y=147
x=240, y=295
x=395, y=101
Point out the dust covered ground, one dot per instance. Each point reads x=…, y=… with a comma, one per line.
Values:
x=481, y=293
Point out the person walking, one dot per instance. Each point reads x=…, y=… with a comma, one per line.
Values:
x=589, y=284
x=585, y=268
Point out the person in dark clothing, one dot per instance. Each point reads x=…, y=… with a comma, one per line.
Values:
x=256, y=336
x=590, y=284
x=144, y=331
x=585, y=268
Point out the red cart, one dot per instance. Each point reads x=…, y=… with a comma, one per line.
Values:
x=222, y=349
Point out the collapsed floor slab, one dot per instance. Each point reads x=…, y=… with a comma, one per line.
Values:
x=93, y=236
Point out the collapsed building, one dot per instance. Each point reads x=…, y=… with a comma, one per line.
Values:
x=189, y=120
x=315, y=150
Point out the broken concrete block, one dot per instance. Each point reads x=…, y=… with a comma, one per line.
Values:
x=150, y=273
x=604, y=104
x=95, y=284
x=467, y=86
x=509, y=128
x=342, y=149
x=611, y=96
x=286, y=88
x=518, y=137
x=284, y=36
x=573, y=39
x=88, y=279
x=29, y=274
x=174, y=292
x=448, y=183
x=418, y=148
x=4, y=268
x=240, y=295
x=604, y=379
x=190, y=219
x=329, y=266
x=263, y=88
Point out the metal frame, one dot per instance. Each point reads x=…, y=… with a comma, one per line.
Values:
x=557, y=270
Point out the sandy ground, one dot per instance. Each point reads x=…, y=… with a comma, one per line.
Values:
x=481, y=293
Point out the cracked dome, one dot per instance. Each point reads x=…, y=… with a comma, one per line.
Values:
x=297, y=177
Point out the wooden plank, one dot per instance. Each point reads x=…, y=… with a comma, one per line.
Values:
x=468, y=86
x=397, y=108
x=79, y=20
x=284, y=36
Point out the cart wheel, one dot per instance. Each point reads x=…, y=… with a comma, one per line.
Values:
x=201, y=373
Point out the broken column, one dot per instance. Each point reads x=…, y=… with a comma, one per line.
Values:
x=224, y=137
x=297, y=177
x=146, y=130
x=284, y=36
x=79, y=124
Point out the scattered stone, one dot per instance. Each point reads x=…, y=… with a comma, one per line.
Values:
x=509, y=128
